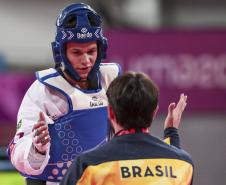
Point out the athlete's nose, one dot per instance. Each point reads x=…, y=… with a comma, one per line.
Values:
x=85, y=59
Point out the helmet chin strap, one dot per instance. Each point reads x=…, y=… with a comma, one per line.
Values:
x=93, y=84
x=69, y=73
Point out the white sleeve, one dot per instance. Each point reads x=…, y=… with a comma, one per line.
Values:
x=23, y=156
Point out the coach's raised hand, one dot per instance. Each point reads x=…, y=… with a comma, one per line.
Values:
x=175, y=112
x=40, y=134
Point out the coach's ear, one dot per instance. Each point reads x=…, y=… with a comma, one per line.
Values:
x=111, y=116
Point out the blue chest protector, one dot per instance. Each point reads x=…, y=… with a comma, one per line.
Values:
x=84, y=128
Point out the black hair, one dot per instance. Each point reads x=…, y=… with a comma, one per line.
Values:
x=133, y=98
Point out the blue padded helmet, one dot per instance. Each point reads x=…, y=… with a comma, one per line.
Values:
x=78, y=23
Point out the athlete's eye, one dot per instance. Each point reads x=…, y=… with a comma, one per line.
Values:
x=92, y=51
x=75, y=52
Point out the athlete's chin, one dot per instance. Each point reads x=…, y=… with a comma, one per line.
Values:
x=84, y=77
x=84, y=74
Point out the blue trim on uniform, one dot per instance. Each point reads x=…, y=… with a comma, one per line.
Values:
x=89, y=91
x=47, y=76
x=119, y=69
x=41, y=80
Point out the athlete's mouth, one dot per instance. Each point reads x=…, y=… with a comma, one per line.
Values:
x=84, y=69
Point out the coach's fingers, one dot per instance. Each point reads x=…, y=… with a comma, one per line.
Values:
x=181, y=103
x=169, y=118
x=171, y=108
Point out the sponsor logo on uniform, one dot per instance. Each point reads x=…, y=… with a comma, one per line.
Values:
x=96, y=102
x=83, y=30
x=84, y=34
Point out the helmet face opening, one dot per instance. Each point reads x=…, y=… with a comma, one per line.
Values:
x=70, y=22
x=78, y=23
x=93, y=21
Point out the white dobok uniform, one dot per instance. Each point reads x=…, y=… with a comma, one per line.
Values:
x=77, y=122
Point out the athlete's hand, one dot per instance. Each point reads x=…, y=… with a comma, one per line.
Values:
x=40, y=135
x=175, y=112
